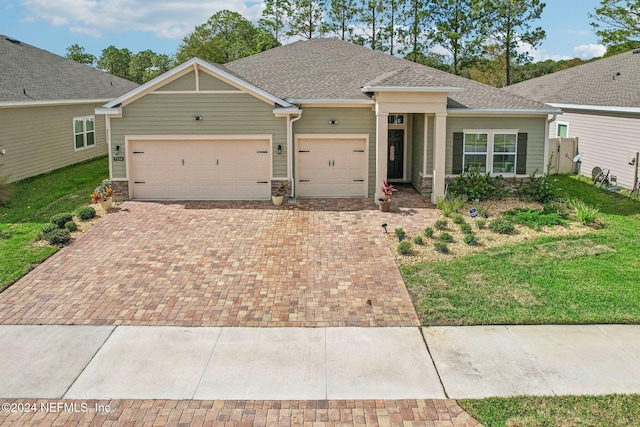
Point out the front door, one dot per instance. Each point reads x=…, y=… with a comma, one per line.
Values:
x=395, y=154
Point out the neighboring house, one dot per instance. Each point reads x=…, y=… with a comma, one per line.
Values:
x=600, y=101
x=47, y=105
x=326, y=117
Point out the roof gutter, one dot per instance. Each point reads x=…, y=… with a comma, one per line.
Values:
x=596, y=108
x=302, y=101
x=53, y=102
x=418, y=89
x=499, y=111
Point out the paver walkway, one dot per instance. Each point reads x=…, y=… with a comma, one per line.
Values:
x=427, y=413
x=224, y=264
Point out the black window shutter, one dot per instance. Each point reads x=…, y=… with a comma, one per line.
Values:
x=458, y=149
x=521, y=161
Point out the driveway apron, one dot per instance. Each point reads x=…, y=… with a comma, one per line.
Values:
x=219, y=264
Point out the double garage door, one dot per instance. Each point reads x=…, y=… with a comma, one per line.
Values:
x=239, y=169
x=331, y=167
x=200, y=170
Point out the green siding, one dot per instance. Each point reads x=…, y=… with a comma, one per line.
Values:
x=208, y=82
x=350, y=120
x=186, y=82
x=533, y=126
x=221, y=114
x=40, y=139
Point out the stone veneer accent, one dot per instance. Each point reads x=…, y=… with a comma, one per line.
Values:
x=275, y=184
x=121, y=189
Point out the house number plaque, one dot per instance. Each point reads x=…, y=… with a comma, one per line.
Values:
x=118, y=158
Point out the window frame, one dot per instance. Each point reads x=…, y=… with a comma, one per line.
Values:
x=558, y=124
x=84, y=132
x=490, y=152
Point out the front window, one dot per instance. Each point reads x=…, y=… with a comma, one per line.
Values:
x=84, y=132
x=475, y=151
x=504, y=152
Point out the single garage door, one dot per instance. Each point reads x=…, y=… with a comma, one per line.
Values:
x=331, y=167
x=200, y=170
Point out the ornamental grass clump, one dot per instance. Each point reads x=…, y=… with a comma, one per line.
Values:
x=445, y=237
x=428, y=232
x=441, y=247
x=584, y=213
x=451, y=203
x=441, y=224
x=404, y=248
x=501, y=226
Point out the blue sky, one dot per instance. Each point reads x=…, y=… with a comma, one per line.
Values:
x=159, y=25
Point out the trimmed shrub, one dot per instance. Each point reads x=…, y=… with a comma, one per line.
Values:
x=441, y=247
x=446, y=237
x=86, y=212
x=428, y=232
x=457, y=218
x=470, y=240
x=501, y=226
x=476, y=185
x=538, y=188
x=441, y=224
x=418, y=240
x=466, y=228
x=400, y=232
x=71, y=226
x=61, y=219
x=404, y=248
x=48, y=228
x=480, y=223
x=57, y=237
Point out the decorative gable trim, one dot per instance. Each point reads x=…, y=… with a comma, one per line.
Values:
x=196, y=64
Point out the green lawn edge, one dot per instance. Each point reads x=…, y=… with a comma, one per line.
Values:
x=34, y=202
x=551, y=411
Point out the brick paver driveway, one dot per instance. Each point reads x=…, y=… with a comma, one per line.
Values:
x=223, y=264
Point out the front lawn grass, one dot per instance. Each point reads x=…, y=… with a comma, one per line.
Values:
x=569, y=411
x=592, y=278
x=34, y=202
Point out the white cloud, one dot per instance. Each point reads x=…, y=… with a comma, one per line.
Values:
x=588, y=51
x=171, y=19
x=86, y=31
x=579, y=33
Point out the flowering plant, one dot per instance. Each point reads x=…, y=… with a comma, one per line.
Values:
x=387, y=190
x=281, y=190
x=102, y=193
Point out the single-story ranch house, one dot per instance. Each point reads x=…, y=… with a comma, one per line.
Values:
x=47, y=110
x=600, y=101
x=325, y=117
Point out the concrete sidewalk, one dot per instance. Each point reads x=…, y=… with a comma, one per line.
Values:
x=139, y=362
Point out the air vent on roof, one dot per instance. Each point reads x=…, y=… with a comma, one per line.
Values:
x=10, y=40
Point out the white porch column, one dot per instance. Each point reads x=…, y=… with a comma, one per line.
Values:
x=439, y=150
x=382, y=142
x=425, y=149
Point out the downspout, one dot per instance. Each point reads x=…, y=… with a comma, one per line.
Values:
x=545, y=166
x=290, y=153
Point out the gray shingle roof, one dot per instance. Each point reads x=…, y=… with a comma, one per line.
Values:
x=334, y=69
x=44, y=76
x=594, y=83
